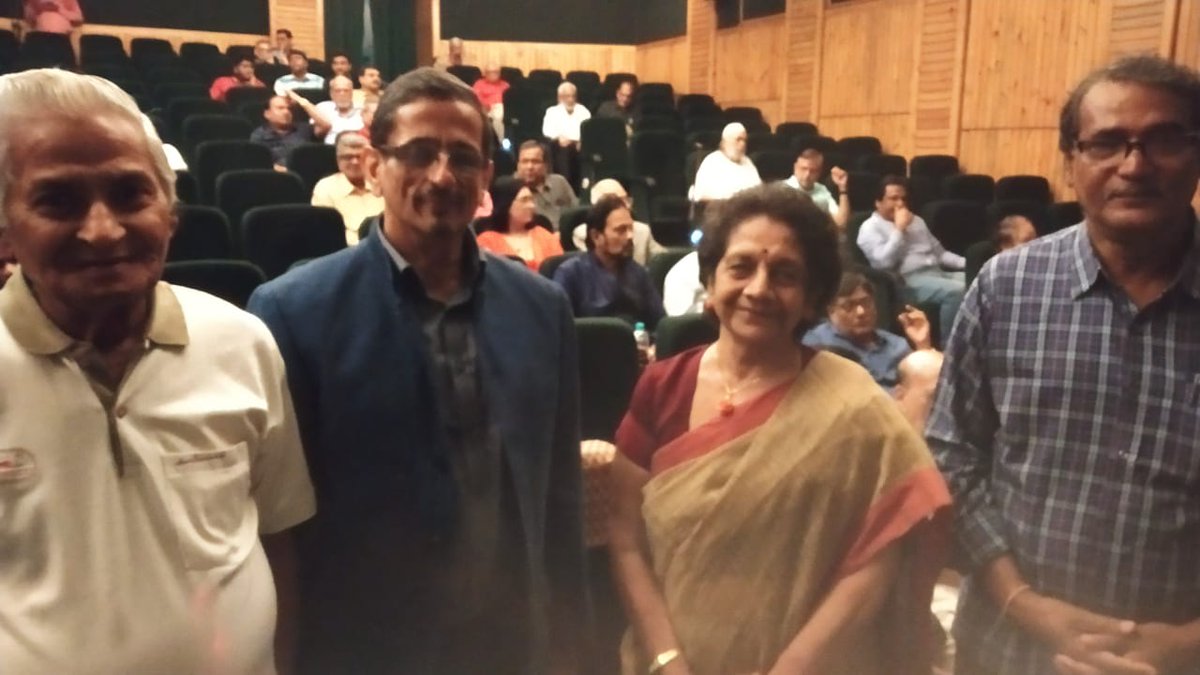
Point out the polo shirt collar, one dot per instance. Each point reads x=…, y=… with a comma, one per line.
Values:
x=37, y=334
x=1088, y=270
x=344, y=188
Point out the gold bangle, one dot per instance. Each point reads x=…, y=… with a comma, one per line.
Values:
x=663, y=660
x=1013, y=596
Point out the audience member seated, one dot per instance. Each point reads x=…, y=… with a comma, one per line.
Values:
x=330, y=118
x=896, y=240
x=278, y=131
x=490, y=90
x=917, y=381
x=512, y=229
x=340, y=64
x=621, y=108
x=243, y=76
x=551, y=192
x=806, y=177
x=299, y=78
x=370, y=84
x=1014, y=230
x=726, y=170
x=368, y=116
x=283, y=47
x=606, y=281
x=53, y=16
x=682, y=291
x=644, y=246
x=263, y=54
x=853, y=325
x=347, y=190
x=455, y=55
x=561, y=126
x=8, y=259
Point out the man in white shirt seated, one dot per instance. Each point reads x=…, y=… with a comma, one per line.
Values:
x=330, y=118
x=299, y=78
x=726, y=170
x=896, y=240
x=806, y=175
x=561, y=125
x=682, y=291
x=644, y=246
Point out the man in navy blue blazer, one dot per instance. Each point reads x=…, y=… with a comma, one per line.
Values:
x=436, y=388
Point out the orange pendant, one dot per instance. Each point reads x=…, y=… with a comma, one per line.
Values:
x=725, y=407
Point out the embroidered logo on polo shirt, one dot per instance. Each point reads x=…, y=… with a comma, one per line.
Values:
x=16, y=466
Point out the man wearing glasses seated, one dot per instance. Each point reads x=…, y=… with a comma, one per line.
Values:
x=437, y=392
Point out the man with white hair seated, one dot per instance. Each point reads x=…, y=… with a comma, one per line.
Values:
x=330, y=118
x=561, y=125
x=726, y=170
x=644, y=246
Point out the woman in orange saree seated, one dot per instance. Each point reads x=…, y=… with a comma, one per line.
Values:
x=512, y=229
x=773, y=510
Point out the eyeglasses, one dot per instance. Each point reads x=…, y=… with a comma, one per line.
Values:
x=422, y=153
x=1158, y=145
x=852, y=305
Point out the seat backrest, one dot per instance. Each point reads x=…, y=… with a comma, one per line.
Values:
x=204, y=127
x=714, y=124
x=275, y=237
x=825, y=144
x=584, y=79
x=934, y=166
x=550, y=265
x=703, y=140
x=1028, y=188
x=853, y=225
x=571, y=218
x=1063, y=215
x=187, y=190
x=863, y=188
x=544, y=77
x=659, y=264
x=216, y=157
x=773, y=165
x=196, y=51
x=675, y=334
x=167, y=92
x=977, y=254
x=1038, y=214
x=236, y=52
x=202, y=234
x=240, y=190
x=312, y=162
x=659, y=157
x=973, y=187
x=608, y=370
x=856, y=146
x=656, y=91
x=269, y=72
x=47, y=49
x=792, y=129
x=744, y=114
x=180, y=109
x=101, y=49
x=884, y=165
x=956, y=223
x=238, y=96
x=468, y=74
x=143, y=47
x=511, y=75
x=314, y=95
x=230, y=280
x=614, y=80
x=922, y=190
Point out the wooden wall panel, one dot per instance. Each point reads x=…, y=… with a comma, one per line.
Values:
x=528, y=56
x=1005, y=152
x=664, y=61
x=893, y=129
x=1142, y=27
x=175, y=37
x=751, y=70
x=936, y=103
x=1187, y=35
x=702, y=27
x=306, y=20
x=803, y=36
x=869, y=57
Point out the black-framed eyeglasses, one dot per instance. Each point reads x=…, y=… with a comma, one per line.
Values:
x=422, y=153
x=1157, y=145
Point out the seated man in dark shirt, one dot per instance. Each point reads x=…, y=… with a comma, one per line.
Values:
x=279, y=133
x=606, y=281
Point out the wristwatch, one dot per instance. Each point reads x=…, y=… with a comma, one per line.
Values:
x=663, y=660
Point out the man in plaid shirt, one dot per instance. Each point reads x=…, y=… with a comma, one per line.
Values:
x=1067, y=419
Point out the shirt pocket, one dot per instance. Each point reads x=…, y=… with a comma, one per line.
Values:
x=208, y=499
x=1172, y=440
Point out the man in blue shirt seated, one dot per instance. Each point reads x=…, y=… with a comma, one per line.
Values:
x=606, y=281
x=853, y=327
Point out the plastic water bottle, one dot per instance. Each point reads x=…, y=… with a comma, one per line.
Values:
x=640, y=336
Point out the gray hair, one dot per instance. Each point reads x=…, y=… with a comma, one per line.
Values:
x=47, y=92
x=732, y=131
x=566, y=88
x=605, y=187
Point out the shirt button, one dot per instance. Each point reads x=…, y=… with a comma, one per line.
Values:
x=120, y=411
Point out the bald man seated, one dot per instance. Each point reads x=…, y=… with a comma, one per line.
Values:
x=916, y=383
x=644, y=245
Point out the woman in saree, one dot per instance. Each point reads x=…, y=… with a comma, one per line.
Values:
x=773, y=510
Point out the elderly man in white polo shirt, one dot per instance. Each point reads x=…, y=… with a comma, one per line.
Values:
x=150, y=461
x=562, y=125
x=726, y=170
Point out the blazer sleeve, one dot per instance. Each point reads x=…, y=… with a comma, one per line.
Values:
x=570, y=613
